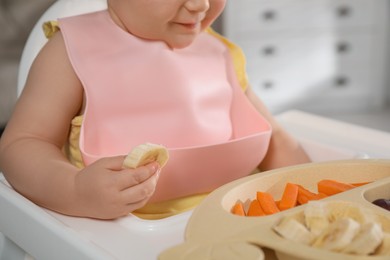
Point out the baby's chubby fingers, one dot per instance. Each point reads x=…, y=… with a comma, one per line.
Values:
x=128, y=178
x=108, y=190
x=140, y=193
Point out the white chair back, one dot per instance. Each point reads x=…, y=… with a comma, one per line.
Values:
x=37, y=39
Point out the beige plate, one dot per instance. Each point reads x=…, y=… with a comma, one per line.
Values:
x=214, y=233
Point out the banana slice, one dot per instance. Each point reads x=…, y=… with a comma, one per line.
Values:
x=146, y=153
x=338, y=235
x=384, y=247
x=367, y=240
x=339, y=210
x=316, y=219
x=340, y=227
x=292, y=229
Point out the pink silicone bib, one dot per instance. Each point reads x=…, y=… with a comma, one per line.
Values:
x=189, y=100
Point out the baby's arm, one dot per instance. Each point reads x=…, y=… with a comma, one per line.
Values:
x=30, y=148
x=283, y=150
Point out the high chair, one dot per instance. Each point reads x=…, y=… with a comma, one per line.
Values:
x=31, y=232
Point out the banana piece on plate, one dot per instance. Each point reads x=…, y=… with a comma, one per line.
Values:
x=384, y=247
x=146, y=153
x=339, y=210
x=367, y=240
x=338, y=235
x=316, y=217
x=292, y=229
x=338, y=226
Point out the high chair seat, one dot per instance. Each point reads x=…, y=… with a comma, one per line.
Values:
x=37, y=39
x=47, y=235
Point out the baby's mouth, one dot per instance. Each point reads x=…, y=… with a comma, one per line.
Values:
x=193, y=24
x=190, y=25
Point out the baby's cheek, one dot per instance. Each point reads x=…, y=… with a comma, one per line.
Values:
x=216, y=8
x=206, y=23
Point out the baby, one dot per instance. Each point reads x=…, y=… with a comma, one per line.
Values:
x=139, y=71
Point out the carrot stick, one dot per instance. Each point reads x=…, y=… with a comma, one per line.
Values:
x=304, y=195
x=289, y=197
x=320, y=196
x=238, y=209
x=267, y=203
x=255, y=209
x=302, y=199
x=358, y=184
x=331, y=187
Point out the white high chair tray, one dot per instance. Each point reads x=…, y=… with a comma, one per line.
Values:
x=47, y=235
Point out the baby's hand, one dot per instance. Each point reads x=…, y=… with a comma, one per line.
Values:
x=105, y=190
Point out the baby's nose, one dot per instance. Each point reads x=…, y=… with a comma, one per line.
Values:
x=197, y=5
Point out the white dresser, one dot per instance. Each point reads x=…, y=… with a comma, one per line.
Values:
x=316, y=55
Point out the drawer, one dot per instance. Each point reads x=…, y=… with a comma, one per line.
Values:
x=290, y=82
x=251, y=16
x=284, y=48
x=335, y=47
x=301, y=84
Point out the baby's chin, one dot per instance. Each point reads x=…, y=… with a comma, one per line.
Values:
x=178, y=46
x=180, y=42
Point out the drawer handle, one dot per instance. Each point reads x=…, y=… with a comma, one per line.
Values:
x=267, y=84
x=268, y=15
x=341, y=82
x=268, y=51
x=343, y=47
x=343, y=11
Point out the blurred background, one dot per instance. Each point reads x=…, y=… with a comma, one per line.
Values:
x=17, y=18
x=327, y=57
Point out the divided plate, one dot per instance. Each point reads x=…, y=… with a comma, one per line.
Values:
x=214, y=233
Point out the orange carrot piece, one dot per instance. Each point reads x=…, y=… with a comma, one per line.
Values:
x=320, y=196
x=304, y=195
x=358, y=184
x=255, y=209
x=267, y=203
x=302, y=199
x=289, y=197
x=302, y=190
x=331, y=187
x=238, y=209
